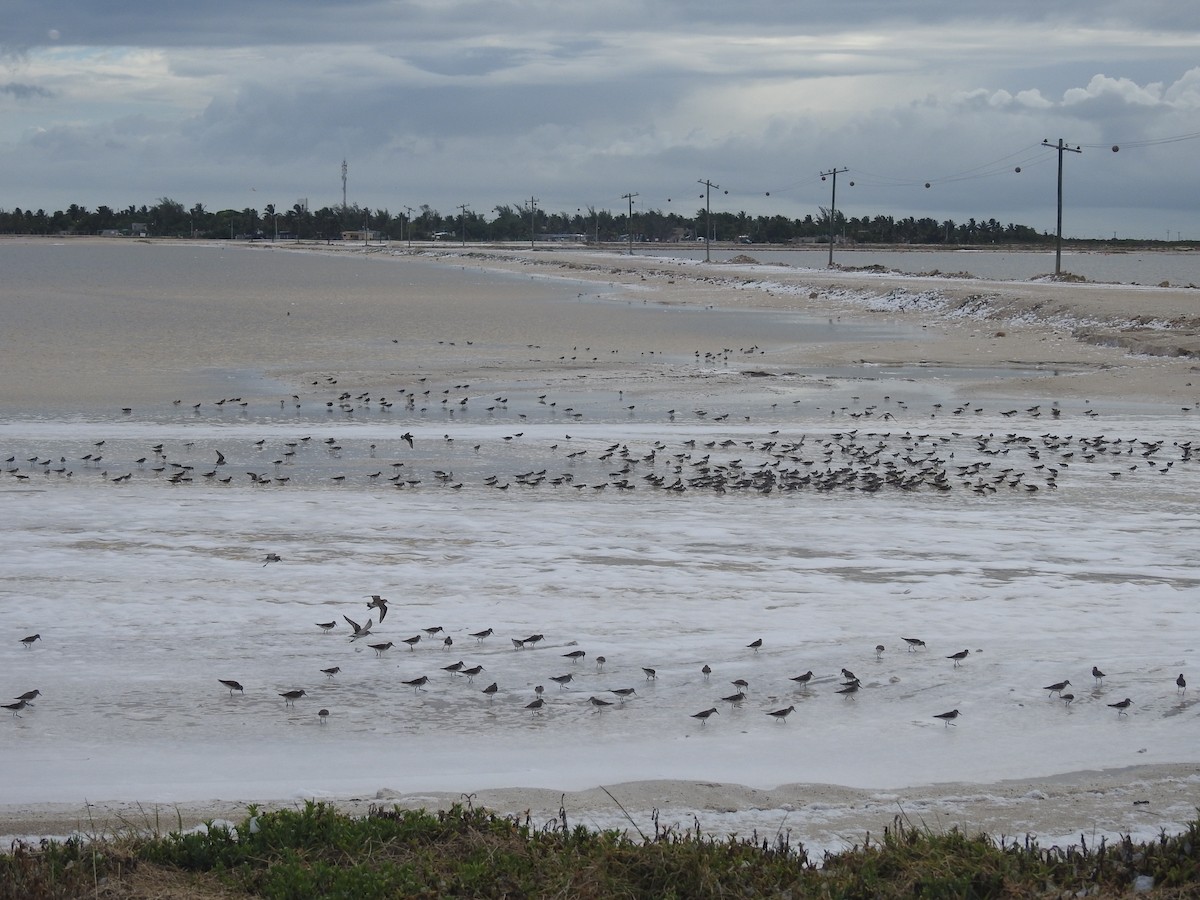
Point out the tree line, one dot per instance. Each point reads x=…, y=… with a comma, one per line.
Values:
x=169, y=218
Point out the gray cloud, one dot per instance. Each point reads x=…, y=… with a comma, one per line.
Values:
x=451, y=102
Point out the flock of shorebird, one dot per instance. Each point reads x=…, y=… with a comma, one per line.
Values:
x=849, y=686
x=896, y=459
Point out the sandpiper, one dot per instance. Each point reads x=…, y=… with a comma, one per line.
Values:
x=735, y=698
x=755, y=645
x=536, y=705
x=28, y=641
x=562, y=680
x=29, y=696
x=782, y=714
x=879, y=648
x=380, y=648
x=435, y=629
x=326, y=627
x=600, y=661
x=232, y=685
x=804, y=679
x=534, y=638
x=575, y=655
x=16, y=707
x=850, y=689
x=418, y=684
x=623, y=693
x=379, y=603
x=1121, y=706
x=290, y=697
x=491, y=690
x=1181, y=683
x=847, y=674
x=454, y=668
x=412, y=641
x=598, y=703
x=1098, y=675
x=651, y=674
x=323, y=715
x=706, y=670
x=480, y=635
x=948, y=717
x=472, y=672
x=914, y=643
x=332, y=670
x=272, y=557
x=1067, y=699
x=959, y=656
x=741, y=684
x=1056, y=688
x=360, y=631
x=518, y=644
x=705, y=713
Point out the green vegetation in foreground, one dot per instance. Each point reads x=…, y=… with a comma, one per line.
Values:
x=466, y=852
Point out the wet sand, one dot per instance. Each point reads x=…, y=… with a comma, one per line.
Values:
x=1138, y=801
x=1081, y=340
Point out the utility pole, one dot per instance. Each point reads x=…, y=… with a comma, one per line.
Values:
x=708, y=186
x=532, y=213
x=463, y=211
x=629, y=222
x=344, y=169
x=408, y=224
x=835, y=171
x=1061, y=147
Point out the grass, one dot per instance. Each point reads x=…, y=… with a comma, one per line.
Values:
x=317, y=851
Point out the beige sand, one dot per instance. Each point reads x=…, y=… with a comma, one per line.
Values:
x=1094, y=341
x=1111, y=341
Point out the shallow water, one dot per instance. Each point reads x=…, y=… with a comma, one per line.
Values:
x=148, y=588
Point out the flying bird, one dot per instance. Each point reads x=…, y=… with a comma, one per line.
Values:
x=380, y=604
x=360, y=631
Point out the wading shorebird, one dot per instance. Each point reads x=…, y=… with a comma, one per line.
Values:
x=704, y=714
x=948, y=717
x=1122, y=706
x=782, y=714
x=290, y=697
x=914, y=643
x=959, y=656
x=232, y=685
x=1056, y=688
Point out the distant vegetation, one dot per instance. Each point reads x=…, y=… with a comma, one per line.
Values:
x=466, y=852
x=169, y=218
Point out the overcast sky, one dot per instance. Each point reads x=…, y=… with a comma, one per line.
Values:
x=449, y=102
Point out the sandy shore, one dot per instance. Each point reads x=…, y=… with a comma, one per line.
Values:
x=1077, y=340
x=1139, y=801
x=1090, y=340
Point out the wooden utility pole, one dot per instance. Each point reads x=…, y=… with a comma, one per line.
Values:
x=708, y=186
x=629, y=221
x=1061, y=148
x=832, y=207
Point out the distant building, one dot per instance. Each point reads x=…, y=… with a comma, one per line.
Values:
x=139, y=229
x=367, y=235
